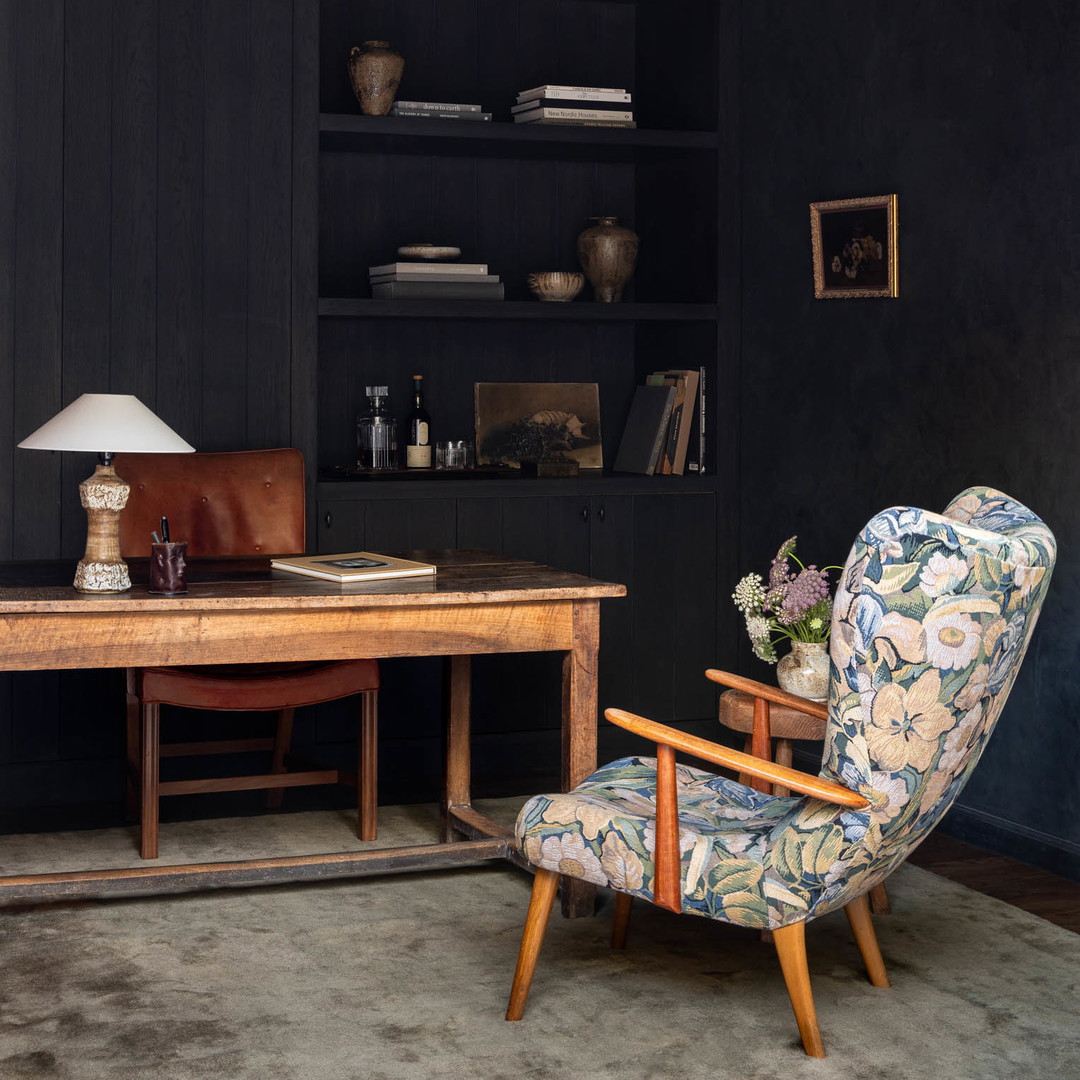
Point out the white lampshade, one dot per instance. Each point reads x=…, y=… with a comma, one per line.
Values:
x=109, y=424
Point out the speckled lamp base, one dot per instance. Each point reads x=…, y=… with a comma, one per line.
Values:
x=101, y=570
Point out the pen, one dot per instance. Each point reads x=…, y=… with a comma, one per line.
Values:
x=154, y=536
x=164, y=529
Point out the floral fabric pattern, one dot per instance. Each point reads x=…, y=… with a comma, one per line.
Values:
x=931, y=620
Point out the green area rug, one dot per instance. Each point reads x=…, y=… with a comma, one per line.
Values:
x=406, y=978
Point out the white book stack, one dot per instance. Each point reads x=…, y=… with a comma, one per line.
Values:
x=434, y=281
x=586, y=106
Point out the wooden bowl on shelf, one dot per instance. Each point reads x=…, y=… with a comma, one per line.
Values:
x=560, y=286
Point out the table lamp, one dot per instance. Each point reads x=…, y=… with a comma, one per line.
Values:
x=122, y=424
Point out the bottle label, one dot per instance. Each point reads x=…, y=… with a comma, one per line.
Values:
x=418, y=457
x=420, y=432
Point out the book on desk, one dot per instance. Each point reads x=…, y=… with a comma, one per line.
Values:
x=352, y=566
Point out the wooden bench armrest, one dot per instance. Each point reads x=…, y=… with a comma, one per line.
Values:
x=667, y=885
x=769, y=693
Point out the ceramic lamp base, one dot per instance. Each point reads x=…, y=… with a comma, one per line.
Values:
x=101, y=570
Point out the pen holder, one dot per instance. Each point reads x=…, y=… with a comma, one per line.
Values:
x=167, y=565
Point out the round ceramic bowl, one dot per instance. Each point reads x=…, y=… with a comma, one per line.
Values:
x=560, y=286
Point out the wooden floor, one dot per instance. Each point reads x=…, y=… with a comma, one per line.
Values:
x=1053, y=898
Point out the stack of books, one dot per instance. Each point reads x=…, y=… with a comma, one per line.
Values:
x=665, y=431
x=587, y=106
x=434, y=281
x=438, y=110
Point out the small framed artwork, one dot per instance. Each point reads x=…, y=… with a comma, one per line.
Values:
x=538, y=422
x=854, y=247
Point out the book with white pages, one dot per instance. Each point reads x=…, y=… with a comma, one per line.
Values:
x=548, y=87
x=573, y=95
x=554, y=112
x=352, y=566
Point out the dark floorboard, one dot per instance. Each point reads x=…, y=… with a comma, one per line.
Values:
x=1039, y=892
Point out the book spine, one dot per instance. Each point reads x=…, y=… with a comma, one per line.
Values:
x=576, y=89
x=378, y=279
x=433, y=115
x=437, y=290
x=573, y=95
x=582, y=123
x=661, y=436
x=429, y=268
x=436, y=106
x=558, y=112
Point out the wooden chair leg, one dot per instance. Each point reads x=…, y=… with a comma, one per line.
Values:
x=879, y=900
x=543, y=898
x=790, y=944
x=862, y=926
x=621, y=925
x=367, y=771
x=282, y=742
x=149, y=757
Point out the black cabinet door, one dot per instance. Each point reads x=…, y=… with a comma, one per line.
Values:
x=386, y=525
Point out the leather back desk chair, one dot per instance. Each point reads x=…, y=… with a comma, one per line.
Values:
x=233, y=504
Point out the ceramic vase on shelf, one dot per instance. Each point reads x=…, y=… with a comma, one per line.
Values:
x=805, y=670
x=608, y=254
x=375, y=70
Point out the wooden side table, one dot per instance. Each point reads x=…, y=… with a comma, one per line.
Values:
x=785, y=725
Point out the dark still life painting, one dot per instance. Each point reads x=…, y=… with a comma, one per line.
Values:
x=538, y=422
x=854, y=247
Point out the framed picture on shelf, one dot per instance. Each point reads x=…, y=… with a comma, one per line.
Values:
x=854, y=247
x=538, y=422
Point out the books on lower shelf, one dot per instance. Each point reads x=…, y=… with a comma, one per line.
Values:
x=353, y=566
x=437, y=290
x=562, y=88
x=573, y=94
x=435, y=106
x=645, y=430
x=685, y=382
x=433, y=267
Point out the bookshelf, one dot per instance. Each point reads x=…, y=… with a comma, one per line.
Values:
x=516, y=197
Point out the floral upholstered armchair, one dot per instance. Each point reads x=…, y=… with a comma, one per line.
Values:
x=932, y=617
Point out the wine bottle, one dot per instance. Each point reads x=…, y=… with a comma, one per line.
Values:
x=418, y=427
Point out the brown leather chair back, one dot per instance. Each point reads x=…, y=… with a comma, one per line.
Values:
x=248, y=502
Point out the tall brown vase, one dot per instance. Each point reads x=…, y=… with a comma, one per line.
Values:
x=375, y=70
x=608, y=253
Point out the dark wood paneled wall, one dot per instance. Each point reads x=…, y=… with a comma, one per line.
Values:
x=146, y=208
x=150, y=199
x=966, y=110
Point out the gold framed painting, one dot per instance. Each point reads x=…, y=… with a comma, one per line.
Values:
x=854, y=247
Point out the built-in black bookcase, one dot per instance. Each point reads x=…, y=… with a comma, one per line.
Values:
x=516, y=197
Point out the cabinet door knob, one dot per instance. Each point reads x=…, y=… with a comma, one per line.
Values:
x=328, y=518
x=584, y=513
x=601, y=512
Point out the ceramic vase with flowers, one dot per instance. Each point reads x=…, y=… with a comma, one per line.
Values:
x=794, y=605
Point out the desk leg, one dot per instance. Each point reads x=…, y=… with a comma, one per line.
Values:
x=579, y=713
x=457, y=761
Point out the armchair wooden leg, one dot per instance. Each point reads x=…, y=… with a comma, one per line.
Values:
x=791, y=948
x=367, y=772
x=149, y=754
x=282, y=742
x=862, y=926
x=879, y=900
x=132, y=737
x=543, y=898
x=621, y=925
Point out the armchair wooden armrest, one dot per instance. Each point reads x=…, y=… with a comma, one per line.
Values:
x=667, y=890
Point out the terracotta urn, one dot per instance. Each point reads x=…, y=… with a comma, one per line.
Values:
x=607, y=252
x=805, y=670
x=375, y=70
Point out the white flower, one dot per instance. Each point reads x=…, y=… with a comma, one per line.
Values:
x=942, y=574
x=952, y=640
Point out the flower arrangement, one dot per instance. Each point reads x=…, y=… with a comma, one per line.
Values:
x=796, y=603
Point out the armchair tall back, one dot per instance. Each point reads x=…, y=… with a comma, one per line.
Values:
x=233, y=504
x=931, y=620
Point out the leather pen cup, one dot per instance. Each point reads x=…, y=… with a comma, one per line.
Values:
x=168, y=563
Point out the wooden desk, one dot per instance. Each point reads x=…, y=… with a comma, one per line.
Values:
x=238, y=611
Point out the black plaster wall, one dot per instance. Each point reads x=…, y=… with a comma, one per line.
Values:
x=967, y=110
